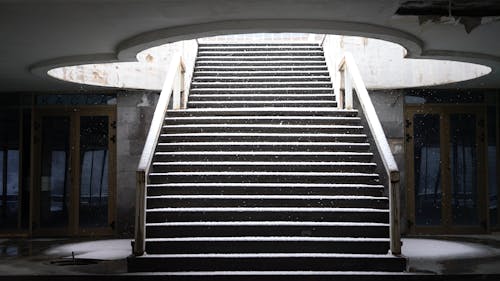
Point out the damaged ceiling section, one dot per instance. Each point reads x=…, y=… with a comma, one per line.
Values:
x=469, y=13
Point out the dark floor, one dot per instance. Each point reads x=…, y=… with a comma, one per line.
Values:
x=437, y=257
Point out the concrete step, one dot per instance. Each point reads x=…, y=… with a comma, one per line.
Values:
x=260, y=63
x=264, y=44
x=265, y=90
x=259, y=58
x=262, y=137
x=253, y=79
x=216, y=188
x=267, y=262
x=331, y=201
x=278, y=156
x=259, y=48
x=262, y=128
x=286, y=53
x=240, y=166
x=256, y=85
x=266, y=112
x=269, y=73
x=265, y=244
x=277, y=69
x=278, y=177
x=285, y=120
x=292, y=275
x=266, y=146
x=264, y=103
x=292, y=214
x=259, y=97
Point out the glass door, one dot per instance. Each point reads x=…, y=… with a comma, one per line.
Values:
x=74, y=181
x=96, y=150
x=445, y=158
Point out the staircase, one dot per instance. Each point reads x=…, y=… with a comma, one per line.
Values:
x=263, y=175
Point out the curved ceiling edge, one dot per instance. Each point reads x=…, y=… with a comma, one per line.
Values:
x=128, y=49
x=41, y=68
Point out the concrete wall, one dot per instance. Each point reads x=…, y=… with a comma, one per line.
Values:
x=383, y=64
x=134, y=114
x=147, y=73
x=389, y=105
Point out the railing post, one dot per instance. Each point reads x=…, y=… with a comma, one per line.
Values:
x=336, y=89
x=394, y=206
x=176, y=95
x=184, y=94
x=140, y=213
x=352, y=76
x=347, y=89
x=173, y=87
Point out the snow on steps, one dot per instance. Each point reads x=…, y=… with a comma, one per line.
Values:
x=265, y=177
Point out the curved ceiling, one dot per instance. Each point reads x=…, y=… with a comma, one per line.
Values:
x=39, y=36
x=383, y=63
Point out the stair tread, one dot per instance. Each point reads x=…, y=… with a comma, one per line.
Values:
x=263, y=197
x=263, y=58
x=225, y=173
x=265, y=109
x=197, y=71
x=233, y=67
x=260, y=184
x=262, y=77
x=201, y=47
x=278, y=273
x=201, y=52
x=197, y=118
x=266, y=134
x=262, y=153
x=260, y=89
x=262, y=83
x=261, y=126
x=257, y=163
x=259, y=95
x=266, y=209
x=271, y=255
x=269, y=238
x=274, y=43
x=264, y=143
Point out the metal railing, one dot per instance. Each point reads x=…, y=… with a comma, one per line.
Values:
x=174, y=88
x=346, y=72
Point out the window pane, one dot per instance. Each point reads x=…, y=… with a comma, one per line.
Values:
x=427, y=170
x=9, y=168
x=55, y=173
x=463, y=160
x=94, y=171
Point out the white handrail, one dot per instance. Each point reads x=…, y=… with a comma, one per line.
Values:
x=350, y=72
x=173, y=86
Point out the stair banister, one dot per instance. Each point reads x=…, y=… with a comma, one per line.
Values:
x=348, y=69
x=173, y=86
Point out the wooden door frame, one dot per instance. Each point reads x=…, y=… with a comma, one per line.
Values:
x=74, y=113
x=444, y=111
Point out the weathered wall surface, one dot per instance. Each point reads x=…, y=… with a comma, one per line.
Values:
x=147, y=73
x=383, y=66
x=134, y=114
x=389, y=105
